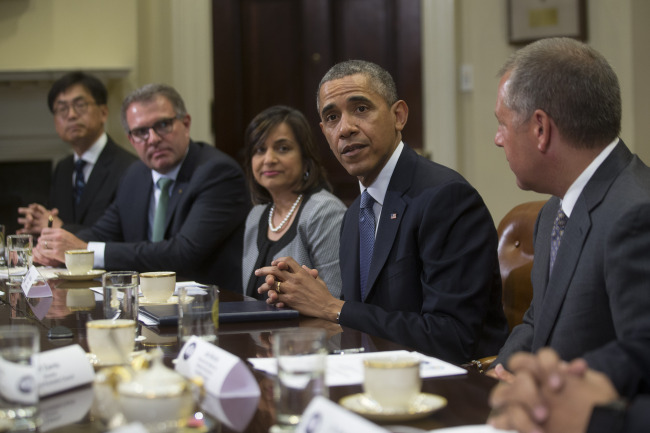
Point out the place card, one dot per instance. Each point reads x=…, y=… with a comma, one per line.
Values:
x=224, y=374
x=18, y=382
x=234, y=412
x=63, y=368
x=41, y=290
x=323, y=415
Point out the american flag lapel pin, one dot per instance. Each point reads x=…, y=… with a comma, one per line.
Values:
x=393, y=216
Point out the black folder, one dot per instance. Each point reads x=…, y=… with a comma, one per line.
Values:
x=229, y=312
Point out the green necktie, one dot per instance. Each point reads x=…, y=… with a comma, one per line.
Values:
x=161, y=210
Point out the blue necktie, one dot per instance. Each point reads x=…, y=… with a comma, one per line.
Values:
x=366, y=238
x=158, y=232
x=556, y=235
x=79, y=180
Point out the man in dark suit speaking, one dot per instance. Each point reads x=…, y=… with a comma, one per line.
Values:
x=85, y=183
x=418, y=249
x=181, y=208
x=559, y=115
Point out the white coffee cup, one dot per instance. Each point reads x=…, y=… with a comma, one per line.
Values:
x=392, y=382
x=158, y=286
x=111, y=341
x=79, y=261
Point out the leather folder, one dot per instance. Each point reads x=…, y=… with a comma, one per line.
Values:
x=229, y=312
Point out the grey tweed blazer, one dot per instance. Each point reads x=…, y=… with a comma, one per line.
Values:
x=316, y=243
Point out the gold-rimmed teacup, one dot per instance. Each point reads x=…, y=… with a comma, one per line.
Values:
x=111, y=341
x=158, y=286
x=79, y=262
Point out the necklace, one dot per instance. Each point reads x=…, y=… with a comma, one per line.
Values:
x=286, y=218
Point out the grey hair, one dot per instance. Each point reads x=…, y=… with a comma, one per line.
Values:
x=569, y=81
x=148, y=93
x=379, y=79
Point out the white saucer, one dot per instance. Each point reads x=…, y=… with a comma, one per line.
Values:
x=144, y=301
x=422, y=406
x=98, y=364
x=90, y=275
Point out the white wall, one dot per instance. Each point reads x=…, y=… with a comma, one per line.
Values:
x=617, y=28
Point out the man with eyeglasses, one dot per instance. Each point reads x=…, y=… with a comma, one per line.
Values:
x=85, y=183
x=180, y=208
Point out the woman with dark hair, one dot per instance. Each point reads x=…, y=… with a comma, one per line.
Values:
x=295, y=214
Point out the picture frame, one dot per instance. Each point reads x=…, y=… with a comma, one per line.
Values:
x=530, y=20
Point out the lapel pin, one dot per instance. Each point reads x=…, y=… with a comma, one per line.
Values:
x=393, y=216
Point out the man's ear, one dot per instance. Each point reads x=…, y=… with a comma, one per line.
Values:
x=401, y=112
x=541, y=128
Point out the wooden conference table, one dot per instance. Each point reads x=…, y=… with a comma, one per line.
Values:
x=71, y=306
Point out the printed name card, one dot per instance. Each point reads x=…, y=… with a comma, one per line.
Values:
x=224, y=374
x=41, y=290
x=323, y=415
x=18, y=382
x=63, y=368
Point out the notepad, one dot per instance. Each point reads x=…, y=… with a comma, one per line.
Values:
x=229, y=312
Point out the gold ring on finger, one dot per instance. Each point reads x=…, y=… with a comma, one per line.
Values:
x=277, y=287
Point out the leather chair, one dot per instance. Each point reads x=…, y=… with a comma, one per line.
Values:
x=515, y=252
x=516, y=259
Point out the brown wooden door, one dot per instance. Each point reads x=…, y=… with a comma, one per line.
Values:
x=269, y=52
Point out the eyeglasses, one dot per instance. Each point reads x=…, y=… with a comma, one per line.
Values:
x=80, y=107
x=162, y=127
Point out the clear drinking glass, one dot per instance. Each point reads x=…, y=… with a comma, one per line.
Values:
x=121, y=297
x=19, y=249
x=18, y=376
x=3, y=260
x=198, y=312
x=301, y=355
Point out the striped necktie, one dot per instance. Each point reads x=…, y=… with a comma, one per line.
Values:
x=366, y=239
x=556, y=235
x=79, y=180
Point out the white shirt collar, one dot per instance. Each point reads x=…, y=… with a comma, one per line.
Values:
x=574, y=191
x=92, y=154
x=379, y=187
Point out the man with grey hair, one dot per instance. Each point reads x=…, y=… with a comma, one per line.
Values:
x=180, y=208
x=559, y=115
x=418, y=249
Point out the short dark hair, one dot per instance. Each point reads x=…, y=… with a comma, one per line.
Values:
x=259, y=129
x=572, y=83
x=148, y=93
x=90, y=82
x=379, y=79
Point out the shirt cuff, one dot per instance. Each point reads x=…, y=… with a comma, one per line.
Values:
x=98, y=248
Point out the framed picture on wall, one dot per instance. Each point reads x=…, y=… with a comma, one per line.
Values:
x=529, y=20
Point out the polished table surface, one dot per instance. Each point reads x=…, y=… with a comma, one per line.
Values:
x=69, y=306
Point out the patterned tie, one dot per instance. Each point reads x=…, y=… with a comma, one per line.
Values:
x=556, y=235
x=79, y=180
x=366, y=238
x=158, y=232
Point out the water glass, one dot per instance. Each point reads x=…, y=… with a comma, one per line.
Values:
x=18, y=376
x=121, y=296
x=198, y=312
x=19, y=248
x=301, y=355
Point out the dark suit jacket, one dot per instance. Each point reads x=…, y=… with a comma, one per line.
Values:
x=596, y=303
x=205, y=220
x=434, y=278
x=99, y=191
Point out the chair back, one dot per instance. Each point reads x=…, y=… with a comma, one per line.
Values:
x=516, y=259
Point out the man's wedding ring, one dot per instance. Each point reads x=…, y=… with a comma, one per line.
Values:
x=277, y=287
x=45, y=244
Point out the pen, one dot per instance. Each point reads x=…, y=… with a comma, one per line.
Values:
x=50, y=220
x=348, y=351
